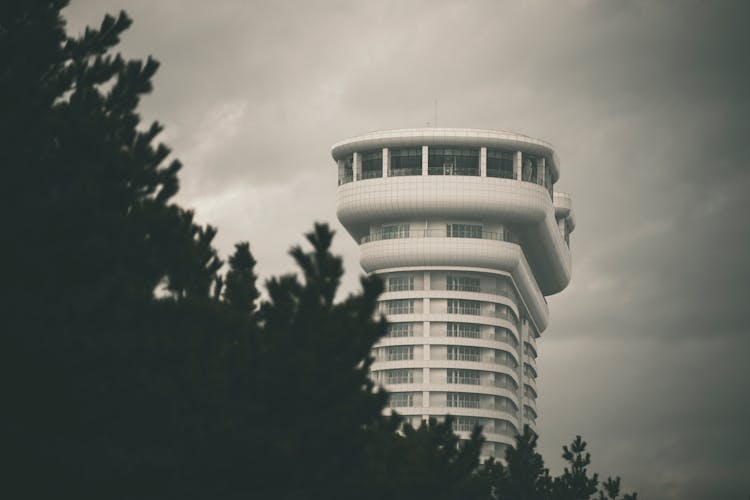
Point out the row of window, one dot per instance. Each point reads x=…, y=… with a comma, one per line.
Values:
x=454, y=353
x=458, y=330
x=446, y=161
x=454, y=376
x=453, y=282
x=454, y=306
x=458, y=400
x=457, y=230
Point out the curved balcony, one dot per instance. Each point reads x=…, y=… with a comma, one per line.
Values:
x=397, y=254
x=524, y=205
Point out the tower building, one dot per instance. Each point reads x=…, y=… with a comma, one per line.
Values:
x=469, y=236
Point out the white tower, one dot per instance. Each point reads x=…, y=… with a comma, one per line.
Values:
x=466, y=231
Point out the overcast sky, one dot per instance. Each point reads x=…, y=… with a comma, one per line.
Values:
x=647, y=104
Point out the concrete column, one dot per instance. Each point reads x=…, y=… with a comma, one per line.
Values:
x=426, y=396
x=425, y=159
x=427, y=285
x=357, y=166
x=517, y=159
x=540, y=167
x=483, y=162
x=386, y=160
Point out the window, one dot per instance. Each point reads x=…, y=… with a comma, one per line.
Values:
x=395, y=231
x=529, y=391
x=462, y=283
x=462, y=353
x=405, y=161
x=372, y=164
x=468, y=377
x=506, y=359
x=504, y=335
x=505, y=381
x=505, y=404
x=345, y=170
x=505, y=312
x=529, y=371
x=463, y=400
x=453, y=161
x=402, y=306
x=529, y=350
x=465, y=424
x=505, y=427
x=459, y=306
x=401, y=399
x=529, y=412
x=399, y=377
x=500, y=163
x=399, y=353
x=401, y=330
x=466, y=330
x=400, y=283
x=463, y=231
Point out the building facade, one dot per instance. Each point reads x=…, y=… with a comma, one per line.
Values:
x=469, y=236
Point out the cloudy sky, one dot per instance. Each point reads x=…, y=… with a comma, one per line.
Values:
x=647, y=104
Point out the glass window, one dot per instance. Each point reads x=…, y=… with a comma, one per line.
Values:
x=372, y=164
x=395, y=231
x=459, y=306
x=405, y=161
x=462, y=283
x=462, y=353
x=346, y=171
x=505, y=335
x=404, y=376
x=401, y=399
x=402, y=306
x=466, y=330
x=465, y=424
x=505, y=381
x=401, y=330
x=399, y=353
x=505, y=358
x=529, y=371
x=464, y=231
x=529, y=350
x=529, y=391
x=469, y=377
x=462, y=400
x=453, y=161
x=500, y=163
x=400, y=283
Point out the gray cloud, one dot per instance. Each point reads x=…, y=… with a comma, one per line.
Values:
x=647, y=104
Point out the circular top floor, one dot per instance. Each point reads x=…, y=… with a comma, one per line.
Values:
x=455, y=137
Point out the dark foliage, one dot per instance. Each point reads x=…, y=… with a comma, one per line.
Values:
x=131, y=368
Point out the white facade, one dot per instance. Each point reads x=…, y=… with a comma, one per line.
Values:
x=466, y=231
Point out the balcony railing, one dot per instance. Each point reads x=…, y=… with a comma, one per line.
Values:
x=439, y=233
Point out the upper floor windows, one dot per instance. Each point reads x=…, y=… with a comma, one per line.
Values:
x=463, y=231
x=402, y=306
x=462, y=283
x=458, y=306
x=399, y=353
x=394, y=231
x=468, y=377
x=401, y=330
x=465, y=424
x=466, y=330
x=500, y=163
x=400, y=283
x=405, y=161
x=462, y=400
x=403, y=376
x=346, y=170
x=453, y=161
x=462, y=353
x=401, y=399
x=372, y=164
